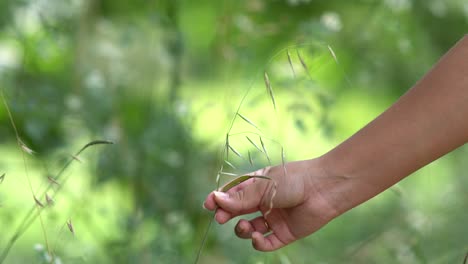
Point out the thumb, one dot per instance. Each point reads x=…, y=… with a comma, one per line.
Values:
x=243, y=200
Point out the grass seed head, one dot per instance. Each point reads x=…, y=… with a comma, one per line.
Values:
x=70, y=226
x=248, y=121
x=265, y=150
x=253, y=143
x=291, y=64
x=250, y=158
x=38, y=203
x=52, y=180
x=49, y=200
x=332, y=53
x=235, y=151
x=26, y=148
x=270, y=90
x=304, y=65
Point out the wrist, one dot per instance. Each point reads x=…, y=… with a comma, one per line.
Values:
x=344, y=188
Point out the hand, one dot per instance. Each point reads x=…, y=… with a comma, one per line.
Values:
x=302, y=203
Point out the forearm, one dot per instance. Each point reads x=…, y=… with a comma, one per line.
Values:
x=430, y=120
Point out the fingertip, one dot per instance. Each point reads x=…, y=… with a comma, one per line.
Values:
x=243, y=229
x=258, y=241
x=209, y=203
x=222, y=216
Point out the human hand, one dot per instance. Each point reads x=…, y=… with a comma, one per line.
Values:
x=304, y=200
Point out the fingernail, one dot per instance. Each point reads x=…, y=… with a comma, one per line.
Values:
x=203, y=205
x=221, y=195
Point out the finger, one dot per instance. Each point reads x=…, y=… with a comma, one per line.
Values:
x=221, y=216
x=245, y=200
x=269, y=243
x=244, y=228
x=210, y=203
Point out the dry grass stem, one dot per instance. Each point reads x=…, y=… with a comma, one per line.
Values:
x=76, y=158
x=240, y=180
x=273, y=194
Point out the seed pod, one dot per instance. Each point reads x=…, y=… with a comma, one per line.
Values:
x=253, y=143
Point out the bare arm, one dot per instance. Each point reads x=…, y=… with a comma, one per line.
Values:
x=430, y=120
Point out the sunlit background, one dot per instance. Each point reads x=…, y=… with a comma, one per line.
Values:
x=164, y=80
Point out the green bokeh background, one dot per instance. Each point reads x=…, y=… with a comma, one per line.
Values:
x=163, y=80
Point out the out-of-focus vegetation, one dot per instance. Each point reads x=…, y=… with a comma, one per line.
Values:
x=163, y=80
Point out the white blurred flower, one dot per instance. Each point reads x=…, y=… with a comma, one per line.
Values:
x=438, y=8
x=298, y=2
x=398, y=5
x=331, y=21
x=9, y=56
